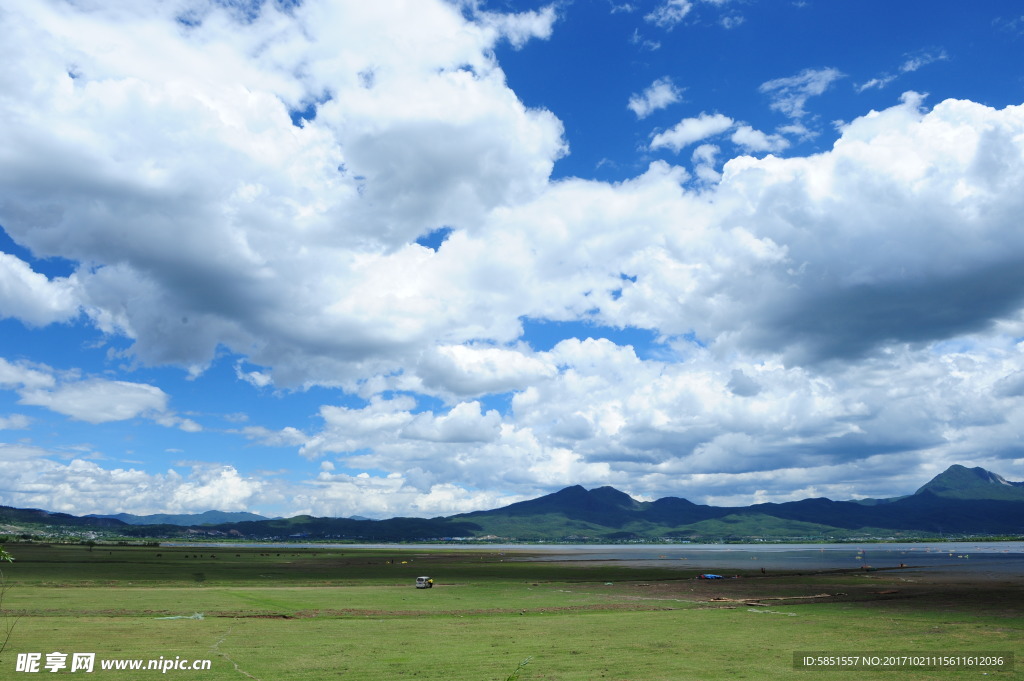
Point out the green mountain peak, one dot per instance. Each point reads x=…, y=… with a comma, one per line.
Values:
x=960, y=482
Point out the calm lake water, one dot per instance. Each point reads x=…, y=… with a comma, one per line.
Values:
x=1004, y=558
x=994, y=559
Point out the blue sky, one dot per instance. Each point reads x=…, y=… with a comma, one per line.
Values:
x=432, y=257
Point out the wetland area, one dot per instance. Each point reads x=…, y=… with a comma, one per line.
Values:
x=631, y=612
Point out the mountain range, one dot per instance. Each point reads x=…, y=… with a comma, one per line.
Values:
x=187, y=519
x=959, y=501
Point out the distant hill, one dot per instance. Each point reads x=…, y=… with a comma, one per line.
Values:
x=961, y=501
x=309, y=527
x=35, y=516
x=186, y=519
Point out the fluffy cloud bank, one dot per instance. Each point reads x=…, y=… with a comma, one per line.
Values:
x=31, y=297
x=169, y=163
x=256, y=186
x=81, y=486
x=90, y=399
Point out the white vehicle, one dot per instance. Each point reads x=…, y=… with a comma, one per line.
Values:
x=424, y=583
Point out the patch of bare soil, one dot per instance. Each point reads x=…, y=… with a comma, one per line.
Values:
x=997, y=595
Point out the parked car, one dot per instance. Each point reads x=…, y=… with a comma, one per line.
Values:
x=424, y=583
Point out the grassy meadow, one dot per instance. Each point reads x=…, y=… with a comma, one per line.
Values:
x=314, y=614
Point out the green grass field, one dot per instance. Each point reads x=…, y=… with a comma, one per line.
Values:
x=312, y=614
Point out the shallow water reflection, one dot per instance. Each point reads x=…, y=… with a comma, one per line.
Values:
x=995, y=557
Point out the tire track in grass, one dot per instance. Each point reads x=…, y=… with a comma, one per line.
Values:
x=215, y=649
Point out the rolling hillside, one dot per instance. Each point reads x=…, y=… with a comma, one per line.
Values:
x=959, y=501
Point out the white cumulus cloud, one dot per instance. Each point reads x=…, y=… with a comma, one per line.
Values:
x=790, y=94
x=669, y=13
x=659, y=94
x=754, y=140
x=691, y=130
x=31, y=297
